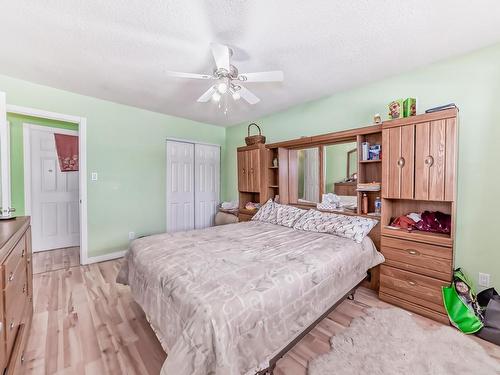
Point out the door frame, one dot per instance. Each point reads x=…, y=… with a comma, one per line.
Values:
x=82, y=162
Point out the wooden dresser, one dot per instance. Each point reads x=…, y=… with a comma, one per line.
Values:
x=418, y=173
x=16, y=304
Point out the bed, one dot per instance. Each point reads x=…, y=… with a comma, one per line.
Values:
x=229, y=299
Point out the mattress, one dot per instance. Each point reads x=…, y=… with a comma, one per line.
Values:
x=226, y=299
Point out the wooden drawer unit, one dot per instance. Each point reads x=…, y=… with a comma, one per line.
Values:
x=425, y=259
x=419, y=289
x=16, y=307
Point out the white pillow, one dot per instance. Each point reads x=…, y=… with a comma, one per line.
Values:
x=267, y=213
x=353, y=227
x=288, y=215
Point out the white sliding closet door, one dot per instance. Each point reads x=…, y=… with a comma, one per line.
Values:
x=180, y=186
x=193, y=185
x=207, y=181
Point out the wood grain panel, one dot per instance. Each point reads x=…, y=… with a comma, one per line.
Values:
x=437, y=153
x=451, y=159
x=422, y=135
x=254, y=166
x=283, y=175
x=293, y=178
x=424, y=290
x=242, y=171
x=408, y=154
x=393, y=171
x=425, y=259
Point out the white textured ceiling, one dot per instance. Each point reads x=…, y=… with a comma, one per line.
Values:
x=120, y=49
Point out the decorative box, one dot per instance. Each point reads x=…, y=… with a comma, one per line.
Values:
x=410, y=107
x=396, y=109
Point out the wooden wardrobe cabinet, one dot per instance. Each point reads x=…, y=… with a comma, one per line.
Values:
x=16, y=306
x=418, y=174
x=420, y=158
x=249, y=170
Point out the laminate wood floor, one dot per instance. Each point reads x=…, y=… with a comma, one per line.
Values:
x=85, y=323
x=53, y=260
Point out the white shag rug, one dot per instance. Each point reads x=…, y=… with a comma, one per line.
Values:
x=391, y=342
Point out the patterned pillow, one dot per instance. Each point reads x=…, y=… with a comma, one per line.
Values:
x=267, y=213
x=353, y=227
x=288, y=215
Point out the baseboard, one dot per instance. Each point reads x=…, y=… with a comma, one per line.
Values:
x=104, y=257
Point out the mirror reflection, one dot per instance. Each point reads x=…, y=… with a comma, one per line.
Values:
x=341, y=167
x=307, y=161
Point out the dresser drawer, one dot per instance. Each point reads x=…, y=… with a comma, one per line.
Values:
x=16, y=255
x=418, y=289
x=421, y=310
x=425, y=259
x=16, y=298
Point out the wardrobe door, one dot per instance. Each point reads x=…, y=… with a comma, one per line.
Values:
x=180, y=186
x=253, y=158
x=398, y=162
x=242, y=171
x=435, y=160
x=207, y=184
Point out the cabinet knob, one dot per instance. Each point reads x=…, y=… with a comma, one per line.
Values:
x=11, y=325
x=413, y=252
x=429, y=161
x=401, y=162
x=11, y=276
x=412, y=283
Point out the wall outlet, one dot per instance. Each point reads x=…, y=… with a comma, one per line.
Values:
x=131, y=235
x=93, y=176
x=484, y=279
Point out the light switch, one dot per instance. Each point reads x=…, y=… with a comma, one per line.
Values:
x=94, y=176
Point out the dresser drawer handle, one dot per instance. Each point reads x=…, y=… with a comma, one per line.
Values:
x=401, y=162
x=22, y=253
x=11, y=276
x=413, y=252
x=412, y=283
x=22, y=358
x=11, y=325
x=24, y=288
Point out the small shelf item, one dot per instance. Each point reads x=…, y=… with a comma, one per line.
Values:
x=369, y=186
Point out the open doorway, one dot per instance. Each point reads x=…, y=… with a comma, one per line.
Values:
x=51, y=191
x=55, y=199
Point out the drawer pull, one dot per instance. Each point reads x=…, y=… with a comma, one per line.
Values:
x=412, y=283
x=22, y=253
x=22, y=358
x=429, y=161
x=11, y=276
x=413, y=252
x=24, y=288
x=401, y=162
x=11, y=325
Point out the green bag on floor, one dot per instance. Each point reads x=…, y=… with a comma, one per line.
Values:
x=461, y=304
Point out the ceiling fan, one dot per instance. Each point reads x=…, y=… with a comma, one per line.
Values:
x=227, y=78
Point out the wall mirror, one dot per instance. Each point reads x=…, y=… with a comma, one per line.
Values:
x=341, y=167
x=305, y=175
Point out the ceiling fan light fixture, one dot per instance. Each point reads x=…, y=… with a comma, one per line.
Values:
x=216, y=96
x=222, y=87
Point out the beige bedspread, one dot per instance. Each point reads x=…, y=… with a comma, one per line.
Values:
x=226, y=299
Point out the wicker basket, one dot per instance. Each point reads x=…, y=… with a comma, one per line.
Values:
x=254, y=139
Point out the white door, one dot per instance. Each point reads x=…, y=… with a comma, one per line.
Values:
x=180, y=186
x=54, y=194
x=207, y=181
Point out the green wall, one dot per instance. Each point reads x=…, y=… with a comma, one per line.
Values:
x=471, y=81
x=126, y=147
x=16, y=153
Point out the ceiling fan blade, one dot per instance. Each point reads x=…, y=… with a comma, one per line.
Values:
x=221, y=56
x=248, y=95
x=207, y=95
x=188, y=75
x=272, y=76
